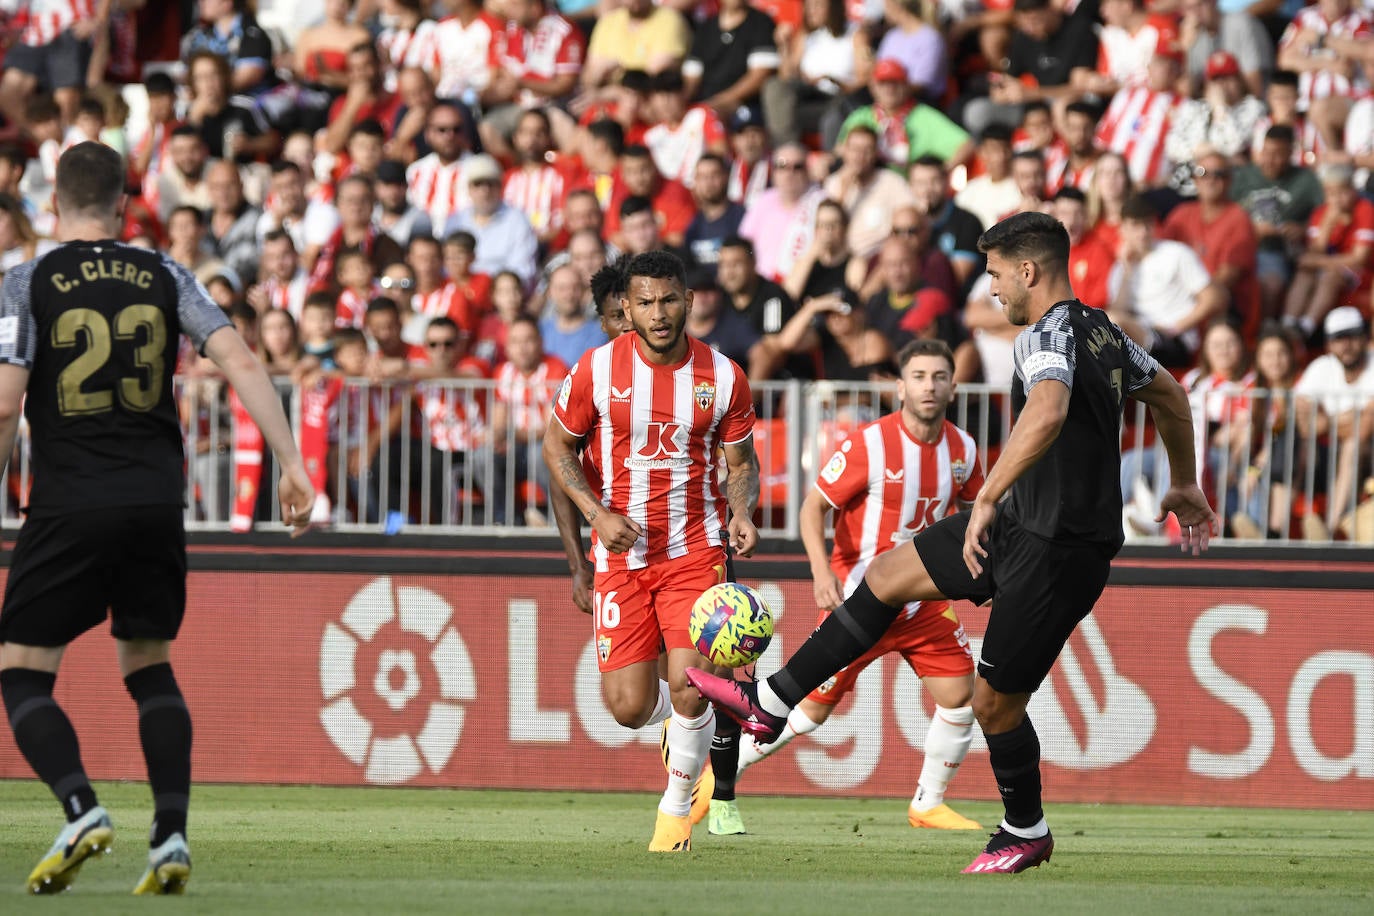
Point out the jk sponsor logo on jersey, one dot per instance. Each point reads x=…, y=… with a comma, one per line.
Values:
x=664, y=448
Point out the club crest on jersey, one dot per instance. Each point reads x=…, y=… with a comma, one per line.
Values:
x=959, y=468
x=603, y=648
x=705, y=394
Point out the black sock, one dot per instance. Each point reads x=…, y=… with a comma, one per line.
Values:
x=851, y=630
x=46, y=738
x=1015, y=757
x=725, y=757
x=164, y=727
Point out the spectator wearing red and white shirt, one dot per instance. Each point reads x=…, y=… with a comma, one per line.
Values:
x=1338, y=266
x=525, y=387
x=681, y=133
x=1138, y=118
x=51, y=55
x=434, y=295
x=539, y=55
x=455, y=422
x=437, y=182
x=407, y=40
x=464, y=55
x=1317, y=46
x=538, y=183
x=152, y=151
x=282, y=282
x=1127, y=39
x=750, y=158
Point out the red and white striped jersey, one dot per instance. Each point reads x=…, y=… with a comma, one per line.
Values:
x=289, y=296
x=554, y=47
x=538, y=193
x=45, y=20
x=530, y=396
x=1307, y=147
x=1326, y=82
x=677, y=149
x=449, y=301
x=464, y=56
x=156, y=142
x=455, y=417
x=748, y=181
x=1124, y=57
x=888, y=486
x=652, y=434
x=351, y=307
x=1135, y=125
x=403, y=48
x=440, y=190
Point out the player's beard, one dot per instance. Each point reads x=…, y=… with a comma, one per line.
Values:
x=678, y=327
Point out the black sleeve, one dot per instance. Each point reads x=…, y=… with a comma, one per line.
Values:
x=255, y=47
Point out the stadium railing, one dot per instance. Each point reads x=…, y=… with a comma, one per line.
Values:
x=426, y=457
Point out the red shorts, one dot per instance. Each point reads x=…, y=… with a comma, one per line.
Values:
x=932, y=641
x=638, y=612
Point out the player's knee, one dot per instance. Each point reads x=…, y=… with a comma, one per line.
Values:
x=628, y=708
x=687, y=701
x=996, y=713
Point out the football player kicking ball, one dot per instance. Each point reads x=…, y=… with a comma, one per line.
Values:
x=654, y=407
x=890, y=480
x=1043, y=556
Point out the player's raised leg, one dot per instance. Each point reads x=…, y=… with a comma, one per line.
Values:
x=893, y=579
x=164, y=731
x=44, y=735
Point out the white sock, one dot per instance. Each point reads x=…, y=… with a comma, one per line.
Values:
x=771, y=702
x=947, y=741
x=1033, y=832
x=689, y=746
x=751, y=752
x=663, y=707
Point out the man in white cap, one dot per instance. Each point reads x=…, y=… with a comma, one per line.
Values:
x=505, y=240
x=1335, y=399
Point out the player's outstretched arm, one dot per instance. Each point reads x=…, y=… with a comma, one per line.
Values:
x=1174, y=420
x=824, y=583
x=616, y=532
x=259, y=396
x=742, y=494
x=14, y=381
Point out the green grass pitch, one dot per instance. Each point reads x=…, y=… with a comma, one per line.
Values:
x=264, y=850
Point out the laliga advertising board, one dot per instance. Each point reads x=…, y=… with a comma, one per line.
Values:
x=1233, y=696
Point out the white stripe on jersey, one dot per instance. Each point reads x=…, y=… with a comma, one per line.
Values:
x=677, y=496
x=601, y=394
x=641, y=413
x=725, y=393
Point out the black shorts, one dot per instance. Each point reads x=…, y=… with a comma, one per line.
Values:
x=1040, y=590
x=60, y=64
x=67, y=570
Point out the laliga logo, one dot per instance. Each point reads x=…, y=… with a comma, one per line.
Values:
x=392, y=672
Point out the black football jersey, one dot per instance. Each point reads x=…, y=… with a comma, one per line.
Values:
x=98, y=326
x=1073, y=493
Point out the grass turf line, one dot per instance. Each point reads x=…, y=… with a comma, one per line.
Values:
x=268, y=849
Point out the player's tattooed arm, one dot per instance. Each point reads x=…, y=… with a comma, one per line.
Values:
x=742, y=486
x=565, y=469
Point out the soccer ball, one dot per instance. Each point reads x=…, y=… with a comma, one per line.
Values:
x=730, y=625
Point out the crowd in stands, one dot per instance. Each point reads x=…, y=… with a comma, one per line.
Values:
x=413, y=191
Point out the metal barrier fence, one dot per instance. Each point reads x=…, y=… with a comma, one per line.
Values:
x=455, y=457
